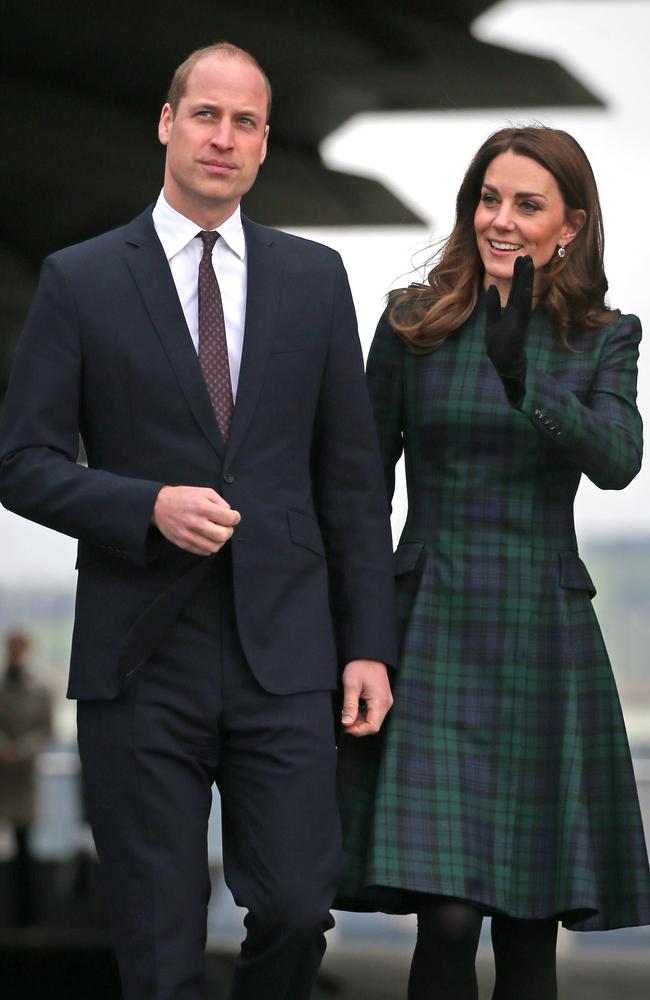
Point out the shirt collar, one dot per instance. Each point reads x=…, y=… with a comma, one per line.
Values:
x=175, y=231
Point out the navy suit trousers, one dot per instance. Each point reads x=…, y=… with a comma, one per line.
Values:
x=192, y=715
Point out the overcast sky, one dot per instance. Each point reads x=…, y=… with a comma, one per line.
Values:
x=422, y=157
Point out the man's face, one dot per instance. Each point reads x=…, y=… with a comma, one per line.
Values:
x=216, y=140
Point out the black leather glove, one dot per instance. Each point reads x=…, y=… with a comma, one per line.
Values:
x=506, y=329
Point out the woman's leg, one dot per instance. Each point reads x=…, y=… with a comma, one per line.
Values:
x=524, y=957
x=443, y=966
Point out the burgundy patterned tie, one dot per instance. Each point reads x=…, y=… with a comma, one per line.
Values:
x=213, y=347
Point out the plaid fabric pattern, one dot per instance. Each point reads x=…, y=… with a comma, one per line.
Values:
x=503, y=775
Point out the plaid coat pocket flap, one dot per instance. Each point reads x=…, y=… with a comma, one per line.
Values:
x=406, y=557
x=574, y=575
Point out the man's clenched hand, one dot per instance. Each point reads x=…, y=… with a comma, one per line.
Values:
x=194, y=518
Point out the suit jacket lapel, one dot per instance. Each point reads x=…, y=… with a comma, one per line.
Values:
x=264, y=267
x=150, y=269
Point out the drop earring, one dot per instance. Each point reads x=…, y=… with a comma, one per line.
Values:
x=561, y=251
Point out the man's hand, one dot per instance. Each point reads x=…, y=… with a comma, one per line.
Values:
x=194, y=518
x=365, y=681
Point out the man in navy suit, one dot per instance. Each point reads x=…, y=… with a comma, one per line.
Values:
x=234, y=547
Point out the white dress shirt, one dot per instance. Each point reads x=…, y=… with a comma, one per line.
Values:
x=184, y=248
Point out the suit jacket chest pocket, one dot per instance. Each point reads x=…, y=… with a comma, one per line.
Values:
x=292, y=381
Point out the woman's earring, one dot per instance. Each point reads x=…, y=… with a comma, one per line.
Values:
x=561, y=251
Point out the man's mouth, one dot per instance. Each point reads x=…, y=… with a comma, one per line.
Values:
x=218, y=166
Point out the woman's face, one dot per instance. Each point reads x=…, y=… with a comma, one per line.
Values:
x=521, y=211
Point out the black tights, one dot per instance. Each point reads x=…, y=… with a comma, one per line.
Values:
x=444, y=968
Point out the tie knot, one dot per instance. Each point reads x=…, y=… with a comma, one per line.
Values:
x=209, y=239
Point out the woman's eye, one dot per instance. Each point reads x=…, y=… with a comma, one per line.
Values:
x=529, y=206
x=488, y=199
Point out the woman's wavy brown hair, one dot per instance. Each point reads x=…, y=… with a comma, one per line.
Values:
x=573, y=287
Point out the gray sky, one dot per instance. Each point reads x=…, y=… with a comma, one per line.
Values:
x=422, y=157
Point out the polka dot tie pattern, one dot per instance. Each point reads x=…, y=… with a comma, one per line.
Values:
x=213, y=346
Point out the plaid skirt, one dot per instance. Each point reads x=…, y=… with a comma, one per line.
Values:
x=501, y=780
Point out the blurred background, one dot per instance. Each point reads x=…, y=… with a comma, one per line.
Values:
x=378, y=108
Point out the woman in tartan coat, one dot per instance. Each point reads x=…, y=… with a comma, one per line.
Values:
x=502, y=783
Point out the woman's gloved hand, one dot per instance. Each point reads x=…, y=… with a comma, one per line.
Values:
x=506, y=329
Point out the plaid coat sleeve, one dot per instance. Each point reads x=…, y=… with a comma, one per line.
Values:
x=602, y=436
x=385, y=377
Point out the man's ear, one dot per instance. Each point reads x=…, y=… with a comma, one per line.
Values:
x=165, y=123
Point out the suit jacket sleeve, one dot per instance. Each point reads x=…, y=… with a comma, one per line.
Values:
x=351, y=499
x=385, y=384
x=602, y=436
x=39, y=436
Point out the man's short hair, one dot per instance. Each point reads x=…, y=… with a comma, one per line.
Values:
x=179, y=80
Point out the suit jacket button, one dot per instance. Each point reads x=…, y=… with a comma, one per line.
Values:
x=228, y=477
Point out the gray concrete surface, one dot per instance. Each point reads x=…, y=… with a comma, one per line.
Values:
x=600, y=976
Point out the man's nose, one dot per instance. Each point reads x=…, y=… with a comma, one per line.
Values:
x=223, y=134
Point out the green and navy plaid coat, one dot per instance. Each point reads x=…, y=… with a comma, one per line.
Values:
x=503, y=774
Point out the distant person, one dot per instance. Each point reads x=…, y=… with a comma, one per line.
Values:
x=503, y=784
x=234, y=544
x=25, y=728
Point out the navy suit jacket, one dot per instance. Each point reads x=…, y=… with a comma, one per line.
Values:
x=106, y=353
